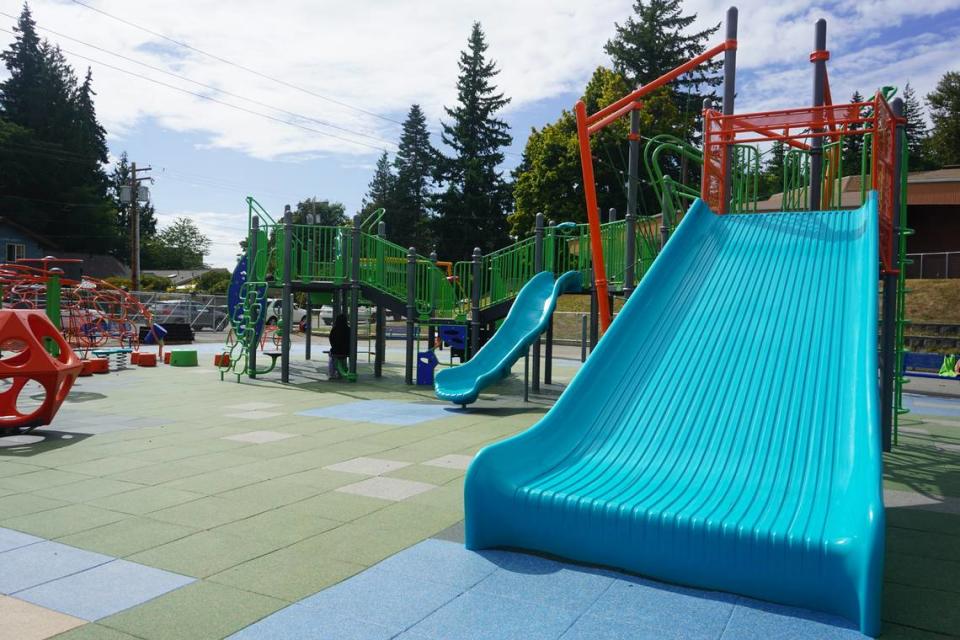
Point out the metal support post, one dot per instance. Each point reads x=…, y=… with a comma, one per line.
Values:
x=548, y=360
x=411, y=309
x=526, y=376
x=475, y=304
x=537, y=268
x=583, y=338
x=431, y=330
x=308, y=328
x=819, y=82
x=381, y=344
x=729, y=94
x=888, y=354
x=354, y=293
x=254, y=319
x=629, y=271
x=594, y=320
x=286, y=308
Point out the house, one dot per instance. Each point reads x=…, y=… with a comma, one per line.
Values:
x=181, y=278
x=18, y=242
x=99, y=265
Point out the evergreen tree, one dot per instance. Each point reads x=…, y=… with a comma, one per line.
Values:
x=772, y=178
x=120, y=177
x=916, y=130
x=21, y=95
x=415, y=164
x=944, y=104
x=654, y=41
x=380, y=192
x=472, y=207
x=322, y=212
x=852, y=154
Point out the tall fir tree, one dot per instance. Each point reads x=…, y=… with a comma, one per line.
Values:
x=415, y=164
x=471, y=209
x=916, y=130
x=380, y=190
x=944, y=103
x=22, y=94
x=772, y=181
x=656, y=40
x=852, y=152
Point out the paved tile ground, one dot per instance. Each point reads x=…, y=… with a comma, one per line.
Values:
x=146, y=466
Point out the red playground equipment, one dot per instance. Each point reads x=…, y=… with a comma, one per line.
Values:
x=28, y=341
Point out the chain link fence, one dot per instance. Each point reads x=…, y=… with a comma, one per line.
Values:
x=939, y=264
x=199, y=310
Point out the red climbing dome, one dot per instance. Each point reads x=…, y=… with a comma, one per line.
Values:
x=25, y=335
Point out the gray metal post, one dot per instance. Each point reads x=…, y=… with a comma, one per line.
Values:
x=729, y=92
x=888, y=355
x=431, y=330
x=354, y=292
x=411, y=309
x=633, y=164
x=308, y=328
x=475, y=304
x=380, y=346
x=287, y=301
x=537, y=268
x=548, y=357
x=526, y=376
x=382, y=229
x=583, y=338
x=629, y=271
x=594, y=319
x=816, y=145
x=251, y=274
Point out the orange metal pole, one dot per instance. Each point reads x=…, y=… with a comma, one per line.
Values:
x=662, y=80
x=593, y=217
x=600, y=124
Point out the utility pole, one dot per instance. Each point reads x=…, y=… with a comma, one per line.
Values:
x=135, y=225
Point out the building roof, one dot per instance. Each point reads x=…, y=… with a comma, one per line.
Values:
x=99, y=266
x=43, y=241
x=177, y=276
x=938, y=187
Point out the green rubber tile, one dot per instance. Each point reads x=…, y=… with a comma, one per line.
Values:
x=321, y=479
x=198, y=610
x=126, y=537
x=63, y=521
x=270, y=494
x=105, y=466
x=216, y=460
x=164, y=454
x=935, y=573
x=449, y=497
x=278, y=467
x=926, y=543
x=212, y=482
x=290, y=574
x=9, y=468
x=160, y=473
x=203, y=554
x=145, y=500
x=40, y=479
x=24, y=503
x=280, y=527
x=342, y=507
x=207, y=513
x=423, y=473
x=920, y=608
x=922, y=520
x=94, y=631
x=85, y=490
x=409, y=516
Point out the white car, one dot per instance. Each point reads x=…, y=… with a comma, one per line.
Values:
x=364, y=314
x=274, y=312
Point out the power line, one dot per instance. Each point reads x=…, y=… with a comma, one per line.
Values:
x=212, y=99
x=210, y=87
x=212, y=56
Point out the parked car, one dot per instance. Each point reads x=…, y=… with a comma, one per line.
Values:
x=364, y=314
x=195, y=313
x=274, y=312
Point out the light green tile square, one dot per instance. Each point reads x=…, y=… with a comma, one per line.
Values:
x=11, y=468
x=342, y=507
x=212, y=482
x=144, y=500
x=199, y=610
x=207, y=513
x=25, y=503
x=204, y=553
x=105, y=466
x=128, y=536
x=63, y=521
x=271, y=494
x=280, y=527
x=89, y=489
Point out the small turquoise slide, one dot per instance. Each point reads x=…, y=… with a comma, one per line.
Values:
x=528, y=318
x=756, y=471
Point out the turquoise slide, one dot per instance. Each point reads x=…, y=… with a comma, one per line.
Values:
x=527, y=319
x=725, y=432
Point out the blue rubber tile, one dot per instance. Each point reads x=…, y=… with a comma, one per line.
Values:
x=475, y=616
x=35, y=564
x=383, y=412
x=755, y=620
x=297, y=622
x=687, y=613
x=104, y=590
x=10, y=539
x=547, y=582
x=441, y=561
x=593, y=628
x=393, y=600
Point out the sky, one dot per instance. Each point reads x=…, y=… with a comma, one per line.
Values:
x=292, y=99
